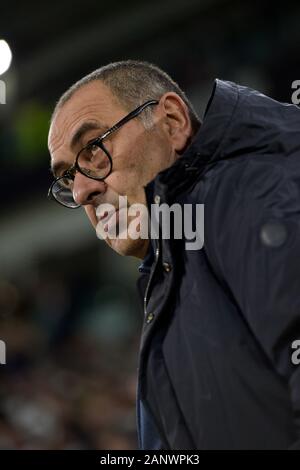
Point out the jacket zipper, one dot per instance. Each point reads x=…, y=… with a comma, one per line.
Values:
x=158, y=427
x=157, y=253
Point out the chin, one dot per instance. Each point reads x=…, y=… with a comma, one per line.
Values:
x=129, y=247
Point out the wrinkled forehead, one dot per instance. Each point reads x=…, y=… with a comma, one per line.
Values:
x=92, y=102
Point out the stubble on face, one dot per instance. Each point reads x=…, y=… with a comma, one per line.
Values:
x=137, y=154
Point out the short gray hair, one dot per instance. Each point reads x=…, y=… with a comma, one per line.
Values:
x=132, y=83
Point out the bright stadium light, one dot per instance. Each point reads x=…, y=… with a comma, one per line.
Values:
x=5, y=56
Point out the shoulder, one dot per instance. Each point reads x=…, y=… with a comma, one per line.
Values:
x=257, y=178
x=246, y=197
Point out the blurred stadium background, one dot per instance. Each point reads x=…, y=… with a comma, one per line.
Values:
x=69, y=312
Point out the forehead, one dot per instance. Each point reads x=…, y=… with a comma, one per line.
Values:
x=92, y=102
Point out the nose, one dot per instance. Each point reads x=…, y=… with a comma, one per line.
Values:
x=87, y=190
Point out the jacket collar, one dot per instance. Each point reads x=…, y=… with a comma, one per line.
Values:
x=220, y=108
x=206, y=147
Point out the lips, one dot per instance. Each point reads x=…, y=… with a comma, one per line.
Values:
x=107, y=222
x=105, y=216
x=110, y=221
x=105, y=211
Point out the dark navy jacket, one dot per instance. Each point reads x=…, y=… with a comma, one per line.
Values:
x=215, y=369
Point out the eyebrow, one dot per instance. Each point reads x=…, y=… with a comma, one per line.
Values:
x=83, y=129
x=75, y=140
x=57, y=167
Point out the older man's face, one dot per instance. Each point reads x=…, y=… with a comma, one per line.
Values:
x=137, y=155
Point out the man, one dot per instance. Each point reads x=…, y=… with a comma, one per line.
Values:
x=215, y=368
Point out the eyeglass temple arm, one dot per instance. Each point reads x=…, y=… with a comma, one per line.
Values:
x=127, y=118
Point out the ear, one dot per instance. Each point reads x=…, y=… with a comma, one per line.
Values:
x=176, y=120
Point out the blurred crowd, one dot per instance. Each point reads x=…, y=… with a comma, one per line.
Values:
x=70, y=321
x=70, y=376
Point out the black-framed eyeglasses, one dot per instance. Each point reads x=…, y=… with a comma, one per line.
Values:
x=93, y=161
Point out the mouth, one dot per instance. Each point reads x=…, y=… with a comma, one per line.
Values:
x=115, y=222
x=107, y=222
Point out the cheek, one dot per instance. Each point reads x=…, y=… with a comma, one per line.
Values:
x=91, y=213
x=125, y=182
x=133, y=169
